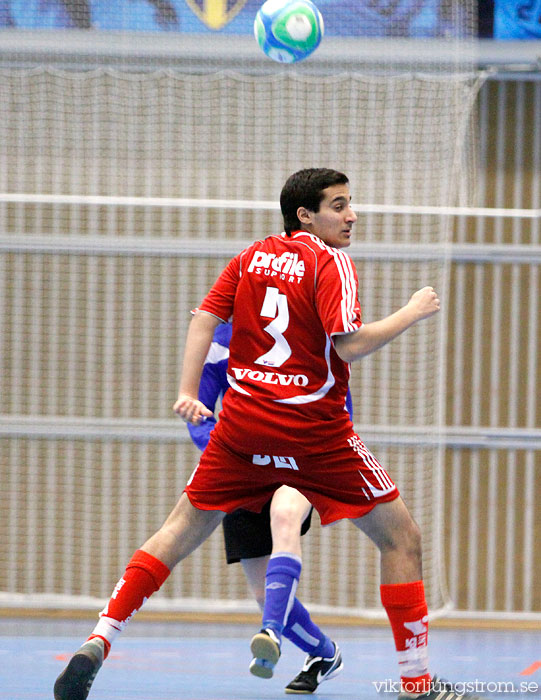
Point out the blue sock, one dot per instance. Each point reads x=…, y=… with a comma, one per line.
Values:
x=304, y=633
x=283, y=573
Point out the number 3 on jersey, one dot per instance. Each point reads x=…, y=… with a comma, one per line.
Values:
x=275, y=307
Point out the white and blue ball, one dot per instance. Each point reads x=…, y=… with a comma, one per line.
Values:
x=288, y=30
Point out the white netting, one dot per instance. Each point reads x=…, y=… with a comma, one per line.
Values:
x=96, y=293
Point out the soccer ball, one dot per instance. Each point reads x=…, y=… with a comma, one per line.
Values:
x=288, y=30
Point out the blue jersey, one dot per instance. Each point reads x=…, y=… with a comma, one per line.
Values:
x=214, y=384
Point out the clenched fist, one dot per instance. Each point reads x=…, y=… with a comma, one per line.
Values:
x=424, y=303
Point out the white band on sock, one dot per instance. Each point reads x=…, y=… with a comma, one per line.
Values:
x=108, y=627
x=413, y=662
x=290, y=601
x=303, y=634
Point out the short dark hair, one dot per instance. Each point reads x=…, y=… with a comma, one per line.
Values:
x=305, y=189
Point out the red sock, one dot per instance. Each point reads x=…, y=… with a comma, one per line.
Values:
x=144, y=575
x=406, y=608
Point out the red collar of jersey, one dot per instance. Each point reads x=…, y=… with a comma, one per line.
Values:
x=290, y=235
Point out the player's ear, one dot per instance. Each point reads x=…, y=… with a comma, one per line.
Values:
x=304, y=215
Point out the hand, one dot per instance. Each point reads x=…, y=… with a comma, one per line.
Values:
x=424, y=303
x=191, y=410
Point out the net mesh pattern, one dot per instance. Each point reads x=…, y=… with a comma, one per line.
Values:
x=98, y=275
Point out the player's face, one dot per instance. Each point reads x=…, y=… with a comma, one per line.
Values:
x=333, y=222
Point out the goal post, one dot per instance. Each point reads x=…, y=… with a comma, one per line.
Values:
x=113, y=165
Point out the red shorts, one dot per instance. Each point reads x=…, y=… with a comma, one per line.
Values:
x=344, y=482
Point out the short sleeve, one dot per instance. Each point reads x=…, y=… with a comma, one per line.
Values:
x=219, y=301
x=337, y=294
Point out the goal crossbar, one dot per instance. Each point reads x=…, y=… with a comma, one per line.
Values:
x=241, y=204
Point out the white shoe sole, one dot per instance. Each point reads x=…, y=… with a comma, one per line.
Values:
x=266, y=654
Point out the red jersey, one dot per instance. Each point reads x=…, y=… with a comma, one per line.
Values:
x=288, y=296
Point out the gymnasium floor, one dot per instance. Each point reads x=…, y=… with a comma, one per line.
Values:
x=204, y=661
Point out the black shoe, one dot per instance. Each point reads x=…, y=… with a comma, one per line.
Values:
x=315, y=670
x=265, y=647
x=76, y=679
x=441, y=689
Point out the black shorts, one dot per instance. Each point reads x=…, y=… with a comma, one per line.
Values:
x=247, y=535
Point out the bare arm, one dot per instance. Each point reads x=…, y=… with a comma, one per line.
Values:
x=372, y=336
x=200, y=332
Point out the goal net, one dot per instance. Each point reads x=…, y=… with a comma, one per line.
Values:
x=132, y=170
